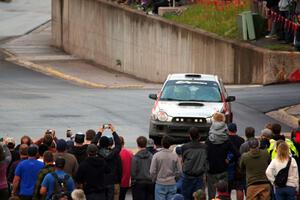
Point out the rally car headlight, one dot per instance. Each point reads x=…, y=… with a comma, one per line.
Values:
x=162, y=116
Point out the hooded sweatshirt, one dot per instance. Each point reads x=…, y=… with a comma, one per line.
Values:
x=91, y=173
x=255, y=163
x=217, y=155
x=79, y=152
x=218, y=133
x=140, y=167
x=113, y=160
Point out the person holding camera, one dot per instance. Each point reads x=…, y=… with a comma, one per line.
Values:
x=110, y=155
x=79, y=148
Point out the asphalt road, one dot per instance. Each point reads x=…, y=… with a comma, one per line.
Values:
x=21, y=16
x=32, y=102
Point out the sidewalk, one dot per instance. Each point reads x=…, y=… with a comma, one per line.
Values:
x=34, y=51
x=289, y=115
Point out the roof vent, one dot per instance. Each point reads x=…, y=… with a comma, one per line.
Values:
x=193, y=75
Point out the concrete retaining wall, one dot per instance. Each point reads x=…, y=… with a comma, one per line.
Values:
x=150, y=47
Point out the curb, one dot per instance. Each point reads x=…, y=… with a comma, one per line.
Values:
x=283, y=116
x=58, y=74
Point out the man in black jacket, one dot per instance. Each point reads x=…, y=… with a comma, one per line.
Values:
x=142, y=185
x=79, y=148
x=194, y=157
x=91, y=173
x=110, y=155
x=219, y=147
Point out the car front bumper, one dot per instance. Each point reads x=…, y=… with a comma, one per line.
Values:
x=176, y=129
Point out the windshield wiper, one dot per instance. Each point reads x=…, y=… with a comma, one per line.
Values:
x=170, y=99
x=201, y=100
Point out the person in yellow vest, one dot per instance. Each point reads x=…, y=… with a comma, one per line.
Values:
x=276, y=129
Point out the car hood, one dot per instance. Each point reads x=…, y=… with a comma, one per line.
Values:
x=189, y=109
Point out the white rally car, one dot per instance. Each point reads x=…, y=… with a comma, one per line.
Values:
x=185, y=101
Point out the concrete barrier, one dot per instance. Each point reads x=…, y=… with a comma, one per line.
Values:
x=151, y=47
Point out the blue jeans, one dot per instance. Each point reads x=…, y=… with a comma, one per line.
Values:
x=164, y=192
x=285, y=193
x=191, y=185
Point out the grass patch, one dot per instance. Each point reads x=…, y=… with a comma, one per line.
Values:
x=213, y=16
x=279, y=47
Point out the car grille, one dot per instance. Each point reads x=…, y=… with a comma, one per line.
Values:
x=191, y=120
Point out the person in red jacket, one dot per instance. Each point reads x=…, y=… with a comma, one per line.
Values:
x=126, y=157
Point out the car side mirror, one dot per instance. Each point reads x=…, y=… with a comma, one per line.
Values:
x=153, y=96
x=230, y=98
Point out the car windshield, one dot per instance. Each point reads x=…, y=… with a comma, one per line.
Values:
x=192, y=90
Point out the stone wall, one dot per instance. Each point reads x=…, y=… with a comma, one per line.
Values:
x=151, y=47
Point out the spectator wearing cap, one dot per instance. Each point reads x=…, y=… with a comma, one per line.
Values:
x=91, y=174
x=79, y=149
x=10, y=142
x=112, y=158
x=250, y=135
x=26, y=175
x=71, y=165
x=235, y=178
x=126, y=158
x=89, y=135
x=5, y=158
x=254, y=163
x=48, y=168
x=23, y=153
x=142, y=185
x=50, y=180
x=151, y=146
x=265, y=136
x=165, y=169
x=218, y=148
x=276, y=129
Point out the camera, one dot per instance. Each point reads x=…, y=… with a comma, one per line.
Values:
x=69, y=133
x=106, y=126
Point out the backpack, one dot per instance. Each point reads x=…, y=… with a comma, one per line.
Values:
x=282, y=176
x=60, y=188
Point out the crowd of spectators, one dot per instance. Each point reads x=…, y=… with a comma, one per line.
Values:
x=95, y=166
x=283, y=21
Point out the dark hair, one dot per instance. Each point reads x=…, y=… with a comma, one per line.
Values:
x=79, y=138
x=28, y=138
x=2, y=156
x=48, y=157
x=250, y=132
x=60, y=162
x=222, y=186
x=42, y=149
x=32, y=151
x=194, y=133
x=47, y=140
x=90, y=134
x=23, y=150
x=122, y=140
x=141, y=142
x=166, y=141
x=276, y=129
